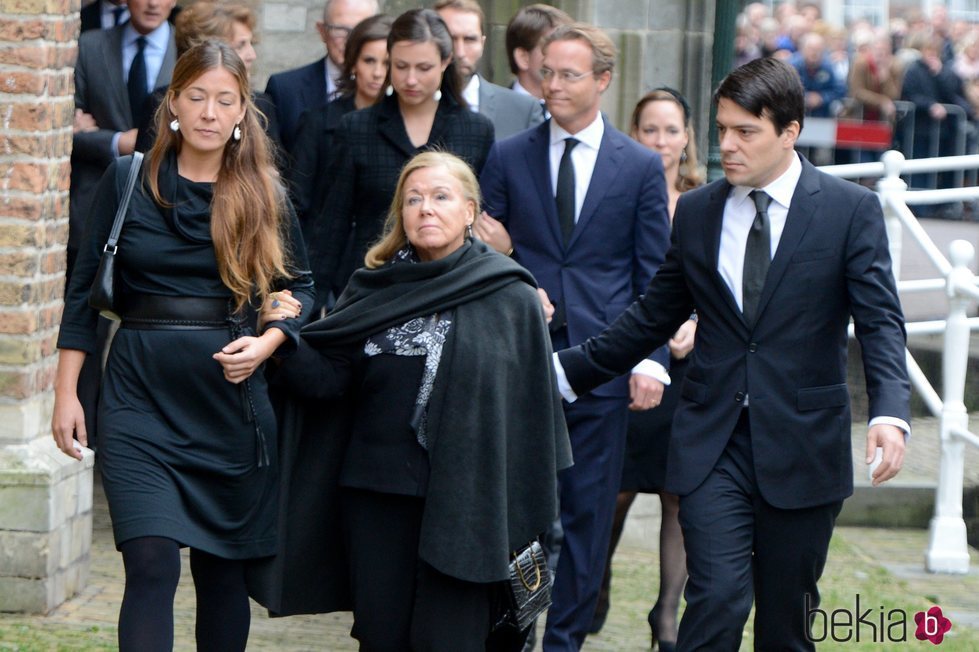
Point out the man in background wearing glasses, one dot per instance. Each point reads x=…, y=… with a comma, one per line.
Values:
x=583, y=207
x=295, y=91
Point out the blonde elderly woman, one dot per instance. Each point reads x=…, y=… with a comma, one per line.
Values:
x=445, y=441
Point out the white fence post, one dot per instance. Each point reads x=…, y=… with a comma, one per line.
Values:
x=948, y=550
x=888, y=185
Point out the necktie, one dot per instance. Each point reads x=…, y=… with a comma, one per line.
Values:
x=137, y=80
x=757, y=257
x=565, y=190
x=117, y=14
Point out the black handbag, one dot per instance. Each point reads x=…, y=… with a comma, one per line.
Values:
x=102, y=294
x=529, y=588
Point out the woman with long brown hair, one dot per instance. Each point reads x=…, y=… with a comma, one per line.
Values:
x=187, y=433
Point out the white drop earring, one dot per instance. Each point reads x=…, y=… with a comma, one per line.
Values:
x=236, y=134
x=438, y=95
x=175, y=125
x=389, y=91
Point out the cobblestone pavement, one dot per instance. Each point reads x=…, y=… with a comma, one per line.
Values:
x=883, y=565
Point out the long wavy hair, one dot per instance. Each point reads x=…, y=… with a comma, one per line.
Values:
x=393, y=239
x=689, y=175
x=248, y=207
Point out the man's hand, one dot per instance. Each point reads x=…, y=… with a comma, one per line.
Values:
x=645, y=391
x=127, y=142
x=83, y=122
x=493, y=233
x=891, y=440
x=681, y=344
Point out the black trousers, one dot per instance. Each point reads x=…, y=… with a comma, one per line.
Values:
x=740, y=548
x=400, y=602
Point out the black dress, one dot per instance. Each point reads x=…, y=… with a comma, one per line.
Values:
x=179, y=444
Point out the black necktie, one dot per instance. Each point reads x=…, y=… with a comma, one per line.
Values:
x=757, y=257
x=565, y=190
x=137, y=80
x=117, y=14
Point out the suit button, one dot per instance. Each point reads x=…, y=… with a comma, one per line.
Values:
x=752, y=347
x=739, y=397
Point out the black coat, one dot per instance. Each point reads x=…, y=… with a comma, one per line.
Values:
x=370, y=147
x=496, y=430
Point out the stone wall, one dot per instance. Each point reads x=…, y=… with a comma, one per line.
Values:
x=45, y=496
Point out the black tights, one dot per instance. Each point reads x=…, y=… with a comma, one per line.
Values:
x=152, y=573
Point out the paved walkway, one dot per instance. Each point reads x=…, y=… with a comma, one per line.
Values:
x=884, y=565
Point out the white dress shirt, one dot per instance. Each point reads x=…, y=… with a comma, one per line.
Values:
x=108, y=16
x=471, y=94
x=333, y=72
x=583, y=158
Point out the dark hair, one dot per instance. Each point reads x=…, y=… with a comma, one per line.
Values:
x=766, y=88
x=689, y=175
x=527, y=27
x=426, y=26
x=374, y=28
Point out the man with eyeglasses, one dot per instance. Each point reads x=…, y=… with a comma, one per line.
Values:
x=295, y=91
x=583, y=207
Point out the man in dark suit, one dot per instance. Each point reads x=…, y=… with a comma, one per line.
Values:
x=585, y=208
x=524, y=33
x=315, y=84
x=775, y=258
x=510, y=112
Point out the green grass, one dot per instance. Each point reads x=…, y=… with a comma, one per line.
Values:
x=20, y=634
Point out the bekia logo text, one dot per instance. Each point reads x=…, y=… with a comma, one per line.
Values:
x=875, y=625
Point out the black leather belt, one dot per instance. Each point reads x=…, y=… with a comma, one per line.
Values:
x=157, y=312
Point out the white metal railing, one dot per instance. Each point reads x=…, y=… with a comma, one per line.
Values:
x=948, y=550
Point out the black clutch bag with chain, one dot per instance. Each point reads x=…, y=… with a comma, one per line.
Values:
x=529, y=588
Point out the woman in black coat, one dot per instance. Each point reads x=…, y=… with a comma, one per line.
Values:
x=422, y=110
x=365, y=69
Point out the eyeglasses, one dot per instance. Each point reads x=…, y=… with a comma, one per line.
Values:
x=566, y=76
x=338, y=31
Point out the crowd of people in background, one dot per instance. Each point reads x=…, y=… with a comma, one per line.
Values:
x=863, y=71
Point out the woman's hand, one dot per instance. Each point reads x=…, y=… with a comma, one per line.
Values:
x=681, y=344
x=242, y=357
x=68, y=419
x=278, y=306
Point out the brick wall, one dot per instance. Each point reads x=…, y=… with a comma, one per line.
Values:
x=45, y=496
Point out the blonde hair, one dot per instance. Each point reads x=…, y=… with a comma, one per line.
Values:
x=393, y=238
x=248, y=205
x=602, y=48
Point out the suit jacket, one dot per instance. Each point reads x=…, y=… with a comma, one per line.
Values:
x=509, y=111
x=295, y=91
x=617, y=245
x=832, y=263
x=370, y=147
x=100, y=90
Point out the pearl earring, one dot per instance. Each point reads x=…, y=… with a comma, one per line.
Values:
x=683, y=155
x=174, y=125
x=438, y=95
x=389, y=91
x=236, y=134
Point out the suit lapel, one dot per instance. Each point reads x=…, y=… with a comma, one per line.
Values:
x=392, y=127
x=487, y=100
x=314, y=90
x=169, y=60
x=539, y=164
x=796, y=223
x=713, y=222
x=112, y=55
x=606, y=164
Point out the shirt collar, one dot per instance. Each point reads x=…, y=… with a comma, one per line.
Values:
x=590, y=135
x=158, y=39
x=471, y=92
x=781, y=189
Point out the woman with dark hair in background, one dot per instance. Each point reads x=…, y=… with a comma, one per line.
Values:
x=661, y=122
x=235, y=25
x=422, y=110
x=186, y=428
x=365, y=69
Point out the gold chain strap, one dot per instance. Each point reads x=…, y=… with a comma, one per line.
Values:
x=523, y=580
